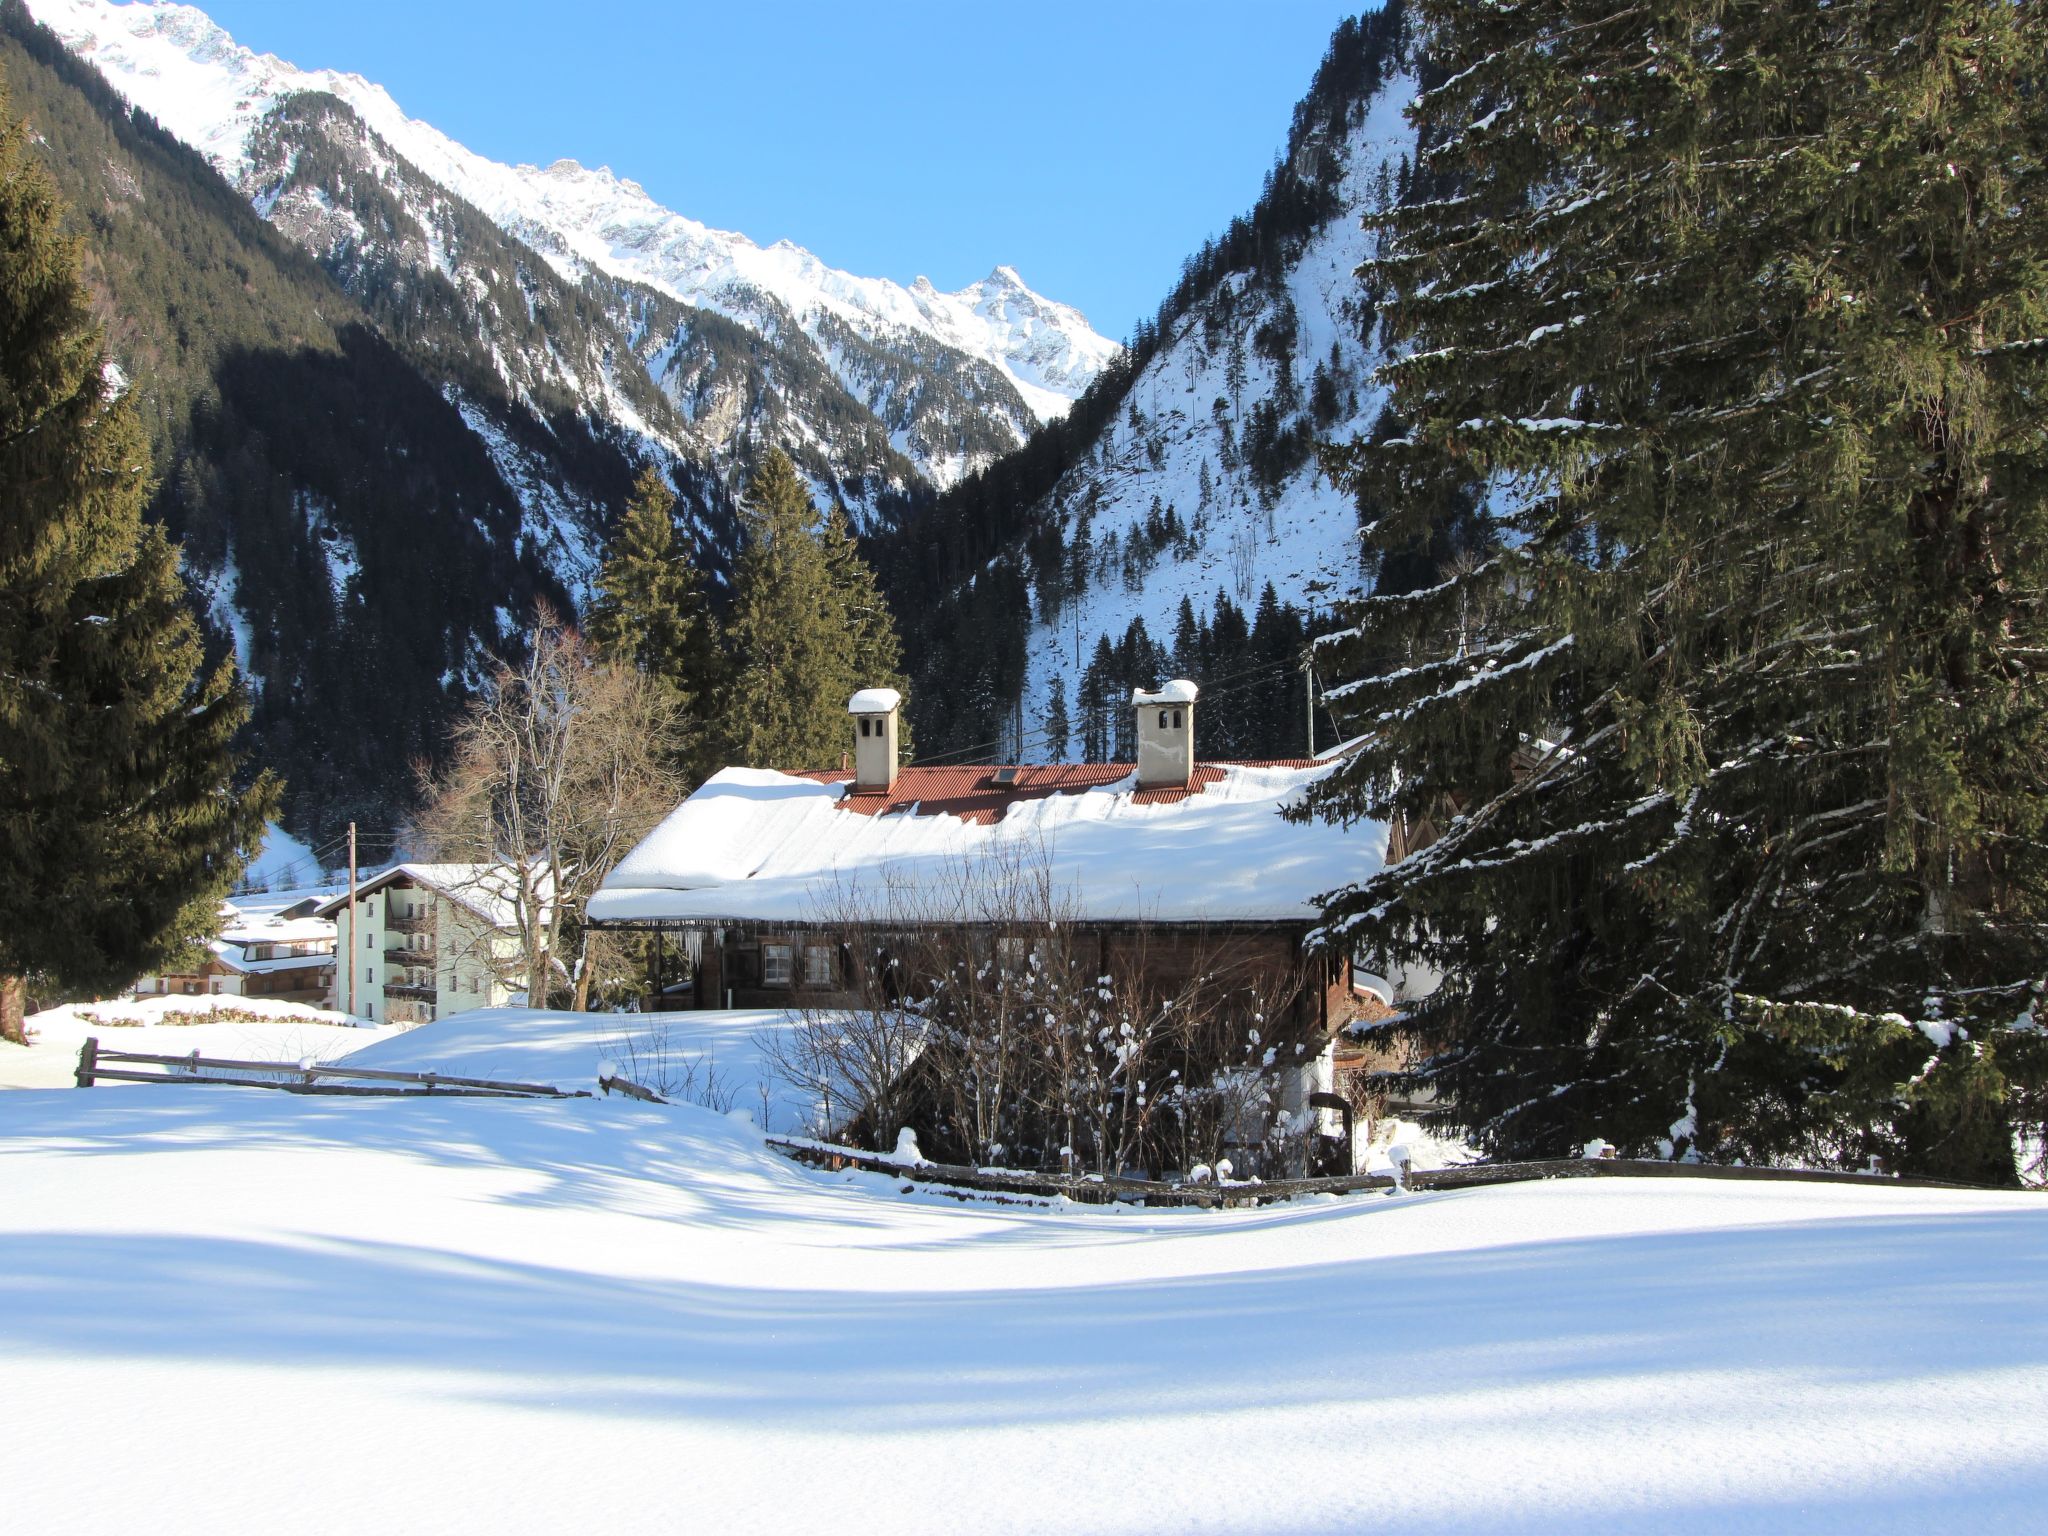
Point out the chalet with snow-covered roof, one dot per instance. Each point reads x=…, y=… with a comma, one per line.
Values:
x=754, y=873
x=264, y=948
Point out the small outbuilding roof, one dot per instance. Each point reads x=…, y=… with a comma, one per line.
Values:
x=490, y=891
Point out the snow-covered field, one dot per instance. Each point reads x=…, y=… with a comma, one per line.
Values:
x=156, y=1026
x=225, y=1310
x=712, y=1058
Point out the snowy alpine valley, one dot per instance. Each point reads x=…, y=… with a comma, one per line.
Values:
x=1377, y=860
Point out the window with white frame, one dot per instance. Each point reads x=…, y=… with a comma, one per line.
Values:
x=818, y=965
x=775, y=964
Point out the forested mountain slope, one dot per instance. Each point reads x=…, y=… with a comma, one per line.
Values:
x=948, y=381
x=350, y=534
x=1093, y=559
x=397, y=392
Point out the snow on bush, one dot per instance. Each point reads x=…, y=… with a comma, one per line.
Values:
x=213, y=1009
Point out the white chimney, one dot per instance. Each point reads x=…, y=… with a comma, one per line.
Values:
x=874, y=712
x=1166, y=735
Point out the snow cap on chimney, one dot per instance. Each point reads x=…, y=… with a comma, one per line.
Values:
x=874, y=701
x=875, y=715
x=1166, y=735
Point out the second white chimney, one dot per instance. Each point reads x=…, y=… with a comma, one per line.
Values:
x=1166, y=735
x=875, y=713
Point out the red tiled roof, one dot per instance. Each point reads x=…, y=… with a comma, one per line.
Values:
x=969, y=792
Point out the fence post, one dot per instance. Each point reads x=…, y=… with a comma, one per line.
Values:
x=88, y=1059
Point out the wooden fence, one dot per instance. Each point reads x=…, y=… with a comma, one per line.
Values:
x=309, y=1077
x=1097, y=1189
x=1100, y=1190
x=1087, y=1189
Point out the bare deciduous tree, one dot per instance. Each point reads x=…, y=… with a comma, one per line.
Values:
x=979, y=1008
x=560, y=767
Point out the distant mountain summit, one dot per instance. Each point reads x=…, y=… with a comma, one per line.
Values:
x=953, y=379
x=396, y=392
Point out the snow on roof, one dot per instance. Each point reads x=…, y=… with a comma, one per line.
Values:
x=874, y=701
x=253, y=905
x=488, y=890
x=242, y=928
x=234, y=958
x=754, y=845
x=1178, y=691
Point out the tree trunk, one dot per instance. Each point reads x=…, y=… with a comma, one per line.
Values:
x=13, y=1006
x=582, y=1001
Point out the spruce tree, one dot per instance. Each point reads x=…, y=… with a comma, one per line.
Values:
x=120, y=830
x=808, y=628
x=650, y=614
x=1730, y=730
x=1056, y=728
x=872, y=649
x=1096, y=701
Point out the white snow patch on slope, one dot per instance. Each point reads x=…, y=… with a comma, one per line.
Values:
x=1304, y=539
x=222, y=590
x=282, y=861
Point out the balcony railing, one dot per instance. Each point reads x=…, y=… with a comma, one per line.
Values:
x=403, y=956
x=400, y=987
x=411, y=922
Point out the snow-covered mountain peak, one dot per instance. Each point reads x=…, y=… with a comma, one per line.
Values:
x=177, y=64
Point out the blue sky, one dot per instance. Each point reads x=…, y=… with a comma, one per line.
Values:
x=1090, y=145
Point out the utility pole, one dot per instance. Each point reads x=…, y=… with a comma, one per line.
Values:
x=349, y=959
x=1308, y=683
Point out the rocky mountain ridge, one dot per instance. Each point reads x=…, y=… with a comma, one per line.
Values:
x=954, y=379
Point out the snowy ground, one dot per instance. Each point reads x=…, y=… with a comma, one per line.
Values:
x=284, y=1032
x=223, y=1310
x=713, y=1058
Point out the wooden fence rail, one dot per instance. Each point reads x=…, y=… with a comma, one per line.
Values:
x=1099, y=1190
x=293, y=1077
x=1088, y=1189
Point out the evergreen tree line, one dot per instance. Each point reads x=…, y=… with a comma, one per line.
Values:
x=763, y=683
x=363, y=535
x=1715, y=494
x=120, y=830
x=1253, y=702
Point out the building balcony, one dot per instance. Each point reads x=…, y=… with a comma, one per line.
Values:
x=402, y=956
x=417, y=922
x=424, y=991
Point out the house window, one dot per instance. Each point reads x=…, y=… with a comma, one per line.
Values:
x=472, y=986
x=775, y=964
x=1176, y=719
x=370, y=974
x=1013, y=954
x=1164, y=717
x=818, y=965
x=369, y=941
x=864, y=725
